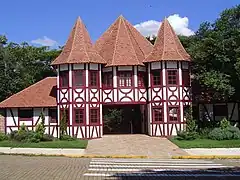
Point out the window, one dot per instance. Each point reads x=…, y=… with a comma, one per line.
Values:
x=25, y=114
x=78, y=78
x=66, y=113
x=172, y=77
x=93, y=78
x=79, y=116
x=64, y=78
x=125, y=79
x=53, y=115
x=173, y=114
x=94, y=116
x=185, y=78
x=140, y=79
x=157, y=114
x=156, y=77
x=108, y=79
x=220, y=110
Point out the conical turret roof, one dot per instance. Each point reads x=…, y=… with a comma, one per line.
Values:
x=167, y=46
x=79, y=48
x=123, y=45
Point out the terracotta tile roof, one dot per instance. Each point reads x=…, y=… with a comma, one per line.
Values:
x=40, y=94
x=167, y=46
x=78, y=48
x=123, y=45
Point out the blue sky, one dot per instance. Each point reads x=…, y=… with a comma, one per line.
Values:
x=29, y=20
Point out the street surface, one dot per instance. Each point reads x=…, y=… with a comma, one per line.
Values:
x=40, y=167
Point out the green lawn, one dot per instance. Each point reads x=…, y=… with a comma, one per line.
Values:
x=81, y=144
x=206, y=143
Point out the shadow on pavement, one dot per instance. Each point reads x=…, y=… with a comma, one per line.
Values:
x=213, y=173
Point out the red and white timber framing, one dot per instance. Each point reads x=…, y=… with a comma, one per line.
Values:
x=132, y=93
x=166, y=97
x=13, y=121
x=84, y=98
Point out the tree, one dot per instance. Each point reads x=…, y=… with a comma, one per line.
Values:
x=215, y=53
x=22, y=65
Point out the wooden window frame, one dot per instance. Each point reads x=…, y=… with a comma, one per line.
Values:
x=83, y=118
x=98, y=116
x=61, y=75
x=107, y=83
x=75, y=78
x=178, y=114
x=141, y=79
x=154, y=115
x=125, y=78
x=176, y=76
x=24, y=118
x=157, y=71
x=90, y=80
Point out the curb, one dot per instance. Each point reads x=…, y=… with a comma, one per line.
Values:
x=207, y=157
x=76, y=156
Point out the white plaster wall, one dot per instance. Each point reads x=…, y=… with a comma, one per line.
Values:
x=108, y=95
x=10, y=119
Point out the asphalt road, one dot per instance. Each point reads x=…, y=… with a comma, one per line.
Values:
x=39, y=167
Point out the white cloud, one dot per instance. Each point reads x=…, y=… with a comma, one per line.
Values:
x=45, y=41
x=179, y=24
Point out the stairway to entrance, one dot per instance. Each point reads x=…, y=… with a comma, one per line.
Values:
x=133, y=144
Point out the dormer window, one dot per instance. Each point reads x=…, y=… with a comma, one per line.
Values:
x=125, y=79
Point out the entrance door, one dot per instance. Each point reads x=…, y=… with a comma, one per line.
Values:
x=128, y=122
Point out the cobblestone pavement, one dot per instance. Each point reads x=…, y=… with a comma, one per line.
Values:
x=39, y=168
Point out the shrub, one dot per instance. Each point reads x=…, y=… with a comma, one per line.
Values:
x=225, y=134
x=13, y=134
x=3, y=137
x=47, y=137
x=185, y=135
x=67, y=138
x=40, y=128
x=224, y=123
x=204, y=132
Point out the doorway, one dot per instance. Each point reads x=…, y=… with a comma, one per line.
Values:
x=123, y=119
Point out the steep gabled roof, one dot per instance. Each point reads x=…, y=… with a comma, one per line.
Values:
x=123, y=45
x=167, y=46
x=79, y=48
x=40, y=94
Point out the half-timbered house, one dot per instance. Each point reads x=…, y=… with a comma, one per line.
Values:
x=123, y=70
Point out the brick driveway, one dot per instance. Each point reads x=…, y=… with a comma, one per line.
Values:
x=41, y=168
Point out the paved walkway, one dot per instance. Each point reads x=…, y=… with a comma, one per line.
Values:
x=135, y=145
x=213, y=151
